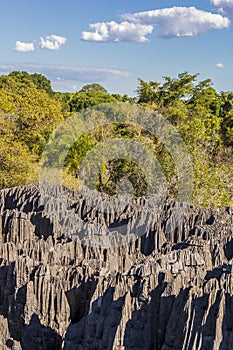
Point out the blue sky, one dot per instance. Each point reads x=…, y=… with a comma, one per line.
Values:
x=136, y=39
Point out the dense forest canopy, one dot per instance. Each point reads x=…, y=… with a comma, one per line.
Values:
x=30, y=111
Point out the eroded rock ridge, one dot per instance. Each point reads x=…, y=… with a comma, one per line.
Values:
x=169, y=287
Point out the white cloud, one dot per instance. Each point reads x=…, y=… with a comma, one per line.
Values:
x=172, y=22
x=112, y=31
x=224, y=6
x=73, y=74
x=52, y=42
x=220, y=65
x=180, y=21
x=24, y=47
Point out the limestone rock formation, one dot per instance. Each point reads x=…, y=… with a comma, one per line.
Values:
x=154, y=279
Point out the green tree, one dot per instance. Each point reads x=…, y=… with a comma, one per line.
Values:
x=35, y=113
x=226, y=113
x=39, y=80
x=17, y=165
x=147, y=92
x=94, y=87
x=81, y=100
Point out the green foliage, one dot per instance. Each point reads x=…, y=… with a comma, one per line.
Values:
x=163, y=95
x=204, y=118
x=120, y=175
x=147, y=91
x=78, y=151
x=17, y=165
x=30, y=111
x=226, y=113
x=39, y=81
x=64, y=99
x=94, y=87
x=81, y=100
x=35, y=115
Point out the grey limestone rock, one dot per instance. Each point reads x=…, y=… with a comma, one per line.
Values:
x=164, y=282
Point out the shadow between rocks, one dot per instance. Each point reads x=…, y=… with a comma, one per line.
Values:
x=180, y=322
x=38, y=337
x=12, y=305
x=96, y=329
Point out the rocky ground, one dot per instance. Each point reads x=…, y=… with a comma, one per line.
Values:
x=162, y=281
